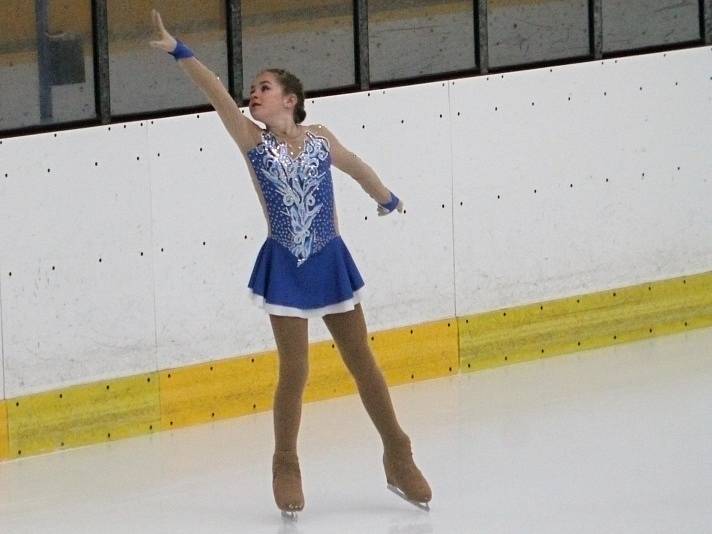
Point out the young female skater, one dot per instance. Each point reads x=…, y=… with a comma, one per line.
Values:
x=304, y=269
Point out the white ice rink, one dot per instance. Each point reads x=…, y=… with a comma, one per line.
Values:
x=605, y=441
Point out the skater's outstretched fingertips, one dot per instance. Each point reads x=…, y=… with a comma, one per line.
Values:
x=158, y=23
x=164, y=40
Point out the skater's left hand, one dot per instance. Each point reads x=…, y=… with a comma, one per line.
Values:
x=382, y=211
x=164, y=40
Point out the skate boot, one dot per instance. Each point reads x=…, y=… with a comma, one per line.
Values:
x=287, y=484
x=404, y=478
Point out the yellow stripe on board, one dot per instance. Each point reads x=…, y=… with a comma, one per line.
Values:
x=406, y=354
x=4, y=442
x=244, y=385
x=419, y=352
x=584, y=322
x=217, y=390
x=125, y=407
x=80, y=415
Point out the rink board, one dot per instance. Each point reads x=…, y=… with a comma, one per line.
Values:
x=131, y=245
x=121, y=408
x=406, y=259
x=81, y=415
x=77, y=258
x=580, y=178
x=114, y=409
x=4, y=443
x=129, y=254
x=585, y=322
x=404, y=355
x=243, y=385
x=217, y=390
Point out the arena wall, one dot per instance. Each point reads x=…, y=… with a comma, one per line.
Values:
x=125, y=250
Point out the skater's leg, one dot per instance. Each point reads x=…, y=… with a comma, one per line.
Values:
x=349, y=332
x=291, y=335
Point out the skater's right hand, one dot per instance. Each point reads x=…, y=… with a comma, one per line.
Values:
x=383, y=211
x=166, y=41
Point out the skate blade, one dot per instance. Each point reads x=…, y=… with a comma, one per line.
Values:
x=422, y=505
x=289, y=516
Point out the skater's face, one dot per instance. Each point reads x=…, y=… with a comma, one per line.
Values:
x=268, y=101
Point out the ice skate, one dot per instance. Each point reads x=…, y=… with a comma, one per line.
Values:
x=404, y=478
x=287, y=484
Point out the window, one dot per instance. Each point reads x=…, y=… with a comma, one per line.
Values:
x=410, y=38
x=146, y=79
x=49, y=79
x=530, y=32
x=47, y=56
x=313, y=39
x=631, y=24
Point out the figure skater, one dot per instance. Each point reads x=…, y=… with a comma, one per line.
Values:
x=303, y=269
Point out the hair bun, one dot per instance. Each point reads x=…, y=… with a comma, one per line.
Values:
x=300, y=114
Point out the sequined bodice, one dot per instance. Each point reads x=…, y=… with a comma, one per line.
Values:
x=298, y=193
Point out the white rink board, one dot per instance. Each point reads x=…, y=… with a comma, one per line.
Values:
x=183, y=302
x=204, y=196
x=406, y=260
x=580, y=233
x=67, y=317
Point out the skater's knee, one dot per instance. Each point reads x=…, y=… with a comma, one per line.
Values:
x=296, y=375
x=293, y=373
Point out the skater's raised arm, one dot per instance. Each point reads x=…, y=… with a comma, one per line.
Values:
x=348, y=162
x=243, y=130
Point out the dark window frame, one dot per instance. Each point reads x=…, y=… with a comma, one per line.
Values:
x=361, y=62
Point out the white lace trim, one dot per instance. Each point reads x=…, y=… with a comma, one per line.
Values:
x=274, y=309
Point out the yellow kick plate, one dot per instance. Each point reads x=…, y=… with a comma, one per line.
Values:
x=80, y=415
x=4, y=443
x=421, y=352
x=243, y=385
x=217, y=390
x=585, y=322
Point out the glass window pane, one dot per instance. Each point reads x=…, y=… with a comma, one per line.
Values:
x=520, y=33
x=410, y=38
x=145, y=79
x=631, y=24
x=313, y=39
x=51, y=79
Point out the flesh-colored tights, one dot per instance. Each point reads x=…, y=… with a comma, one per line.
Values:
x=351, y=337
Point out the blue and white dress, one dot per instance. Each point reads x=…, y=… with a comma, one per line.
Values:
x=303, y=268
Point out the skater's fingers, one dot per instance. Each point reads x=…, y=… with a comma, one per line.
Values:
x=156, y=27
x=158, y=22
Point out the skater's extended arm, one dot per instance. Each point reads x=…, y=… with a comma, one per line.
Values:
x=243, y=130
x=348, y=162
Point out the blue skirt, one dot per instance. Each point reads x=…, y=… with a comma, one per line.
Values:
x=328, y=282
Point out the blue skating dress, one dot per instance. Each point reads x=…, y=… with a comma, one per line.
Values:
x=303, y=268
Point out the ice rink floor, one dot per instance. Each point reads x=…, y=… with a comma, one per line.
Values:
x=605, y=441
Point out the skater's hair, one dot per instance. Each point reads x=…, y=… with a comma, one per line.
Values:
x=291, y=85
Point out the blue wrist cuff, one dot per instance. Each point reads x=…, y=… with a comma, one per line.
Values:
x=392, y=204
x=181, y=51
